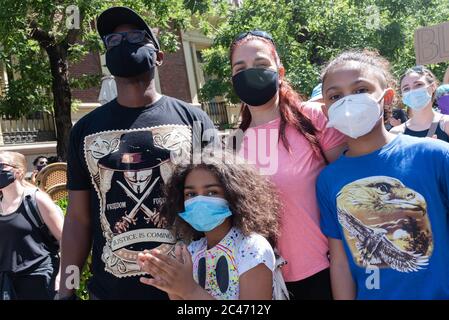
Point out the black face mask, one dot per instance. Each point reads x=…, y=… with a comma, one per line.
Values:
x=128, y=60
x=6, y=178
x=256, y=86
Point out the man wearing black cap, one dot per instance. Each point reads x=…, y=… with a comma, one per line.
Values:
x=120, y=155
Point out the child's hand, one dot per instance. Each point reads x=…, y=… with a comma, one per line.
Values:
x=169, y=274
x=178, y=255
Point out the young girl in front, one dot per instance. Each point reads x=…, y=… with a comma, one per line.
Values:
x=233, y=212
x=385, y=202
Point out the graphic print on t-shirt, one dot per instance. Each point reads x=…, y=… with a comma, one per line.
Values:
x=128, y=169
x=385, y=224
x=216, y=268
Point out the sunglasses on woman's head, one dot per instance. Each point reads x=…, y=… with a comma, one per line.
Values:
x=419, y=69
x=4, y=164
x=132, y=36
x=257, y=33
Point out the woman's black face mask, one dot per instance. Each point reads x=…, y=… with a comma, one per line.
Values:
x=6, y=178
x=256, y=86
x=128, y=60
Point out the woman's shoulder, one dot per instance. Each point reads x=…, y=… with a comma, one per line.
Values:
x=255, y=244
x=41, y=196
x=314, y=110
x=253, y=250
x=398, y=129
x=44, y=202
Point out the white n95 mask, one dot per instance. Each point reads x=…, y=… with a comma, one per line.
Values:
x=355, y=115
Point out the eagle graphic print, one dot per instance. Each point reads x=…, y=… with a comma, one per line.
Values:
x=385, y=224
x=128, y=169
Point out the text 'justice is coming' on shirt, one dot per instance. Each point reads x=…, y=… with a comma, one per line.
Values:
x=123, y=156
x=390, y=208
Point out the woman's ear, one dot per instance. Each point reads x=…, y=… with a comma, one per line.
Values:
x=19, y=174
x=434, y=87
x=281, y=71
x=159, y=58
x=389, y=96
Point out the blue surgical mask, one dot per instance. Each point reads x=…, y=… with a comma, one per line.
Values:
x=205, y=213
x=417, y=99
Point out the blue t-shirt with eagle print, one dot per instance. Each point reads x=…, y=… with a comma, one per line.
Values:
x=390, y=209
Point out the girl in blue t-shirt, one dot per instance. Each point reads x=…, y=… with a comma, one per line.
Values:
x=384, y=203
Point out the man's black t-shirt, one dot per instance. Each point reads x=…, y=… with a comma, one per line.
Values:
x=123, y=156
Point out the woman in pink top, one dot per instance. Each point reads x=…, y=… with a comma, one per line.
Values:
x=286, y=139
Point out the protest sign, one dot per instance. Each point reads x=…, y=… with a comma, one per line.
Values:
x=432, y=44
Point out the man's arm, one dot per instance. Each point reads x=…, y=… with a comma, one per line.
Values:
x=343, y=285
x=76, y=238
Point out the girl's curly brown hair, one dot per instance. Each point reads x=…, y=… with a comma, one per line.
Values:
x=252, y=198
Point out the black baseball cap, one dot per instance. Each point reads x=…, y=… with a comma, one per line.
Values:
x=113, y=17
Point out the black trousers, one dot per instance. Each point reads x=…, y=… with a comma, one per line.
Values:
x=39, y=283
x=34, y=287
x=316, y=287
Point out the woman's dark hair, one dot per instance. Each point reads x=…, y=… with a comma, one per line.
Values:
x=54, y=159
x=290, y=104
x=252, y=198
x=368, y=59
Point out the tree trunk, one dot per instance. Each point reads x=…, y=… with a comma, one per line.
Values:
x=62, y=97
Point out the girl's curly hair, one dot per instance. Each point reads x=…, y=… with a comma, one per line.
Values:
x=252, y=198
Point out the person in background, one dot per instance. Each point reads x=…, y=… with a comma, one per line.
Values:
x=418, y=87
x=26, y=256
x=394, y=117
x=317, y=95
x=385, y=202
x=442, y=98
x=39, y=163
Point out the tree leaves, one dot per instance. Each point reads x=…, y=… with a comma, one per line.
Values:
x=53, y=20
x=310, y=33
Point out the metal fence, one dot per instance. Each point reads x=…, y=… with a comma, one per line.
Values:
x=37, y=128
x=217, y=112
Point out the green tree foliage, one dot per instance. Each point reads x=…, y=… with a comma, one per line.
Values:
x=308, y=33
x=39, y=39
